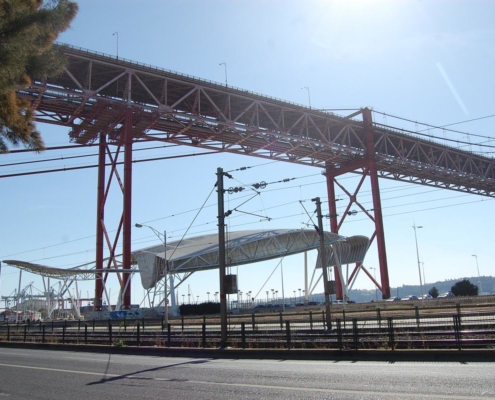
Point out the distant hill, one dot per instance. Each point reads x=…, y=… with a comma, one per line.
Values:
x=363, y=295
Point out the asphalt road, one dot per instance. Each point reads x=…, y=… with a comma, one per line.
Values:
x=44, y=374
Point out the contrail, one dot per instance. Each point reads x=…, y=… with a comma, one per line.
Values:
x=452, y=88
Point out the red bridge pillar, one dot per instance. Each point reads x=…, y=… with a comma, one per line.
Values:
x=124, y=140
x=368, y=167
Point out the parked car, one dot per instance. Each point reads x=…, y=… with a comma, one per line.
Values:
x=396, y=298
x=446, y=294
x=339, y=302
x=426, y=297
x=412, y=297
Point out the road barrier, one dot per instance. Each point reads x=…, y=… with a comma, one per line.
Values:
x=457, y=330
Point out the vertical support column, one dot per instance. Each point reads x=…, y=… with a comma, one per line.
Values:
x=323, y=263
x=126, y=248
x=334, y=226
x=100, y=218
x=377, y=206
x=221, y=259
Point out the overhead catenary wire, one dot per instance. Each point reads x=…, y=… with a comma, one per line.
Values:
x=409, y=187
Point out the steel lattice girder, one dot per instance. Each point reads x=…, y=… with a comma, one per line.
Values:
x=92, y=94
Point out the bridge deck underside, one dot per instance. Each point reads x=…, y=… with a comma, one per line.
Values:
x=91, y=98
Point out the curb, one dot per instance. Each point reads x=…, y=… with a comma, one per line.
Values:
x=283, y=354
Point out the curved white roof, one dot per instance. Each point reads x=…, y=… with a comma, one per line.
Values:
x=201, y=253
x=242, y=247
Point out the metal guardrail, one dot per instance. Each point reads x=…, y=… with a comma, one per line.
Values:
x=458, y=330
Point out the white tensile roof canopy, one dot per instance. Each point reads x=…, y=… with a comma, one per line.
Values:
x=244, y=247
x=201, y=253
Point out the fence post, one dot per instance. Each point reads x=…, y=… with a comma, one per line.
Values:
x=182, y=323
x=416, y=312
x=138, y=334
x=287, y=330
x=8, y=333
x=25, y=332
x=379, y=317
x=43, y=335
x=78, y=325
x=281, y=321
x=52, y=325
x=355, y=333
x=339, y=333
x=169, y=328
x=323, y=320
x=109, y=332
x=253, y=322
x=391, y=338
x=93, y=325
x=63, y=334
x=40, y=325
x=143, y=325
x=243, y=334
x=163, y=319
x=203, y=339
x=85, y=333
x=311, y=320
x=457, y=330
x=458, y=307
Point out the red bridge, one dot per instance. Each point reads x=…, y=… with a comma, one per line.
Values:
x=117, y=102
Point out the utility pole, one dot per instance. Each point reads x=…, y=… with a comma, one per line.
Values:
x=221, y=259
x=323, y=261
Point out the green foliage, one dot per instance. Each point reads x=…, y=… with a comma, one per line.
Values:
x=28, y=29
x=199, y=309
x=120, y=343
x=433, y=292
x=464, y=288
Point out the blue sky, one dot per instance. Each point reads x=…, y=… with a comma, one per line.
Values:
x=427, y=61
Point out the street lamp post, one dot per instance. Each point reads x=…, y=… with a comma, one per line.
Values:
x=478, y=269
x=208, y=293
x=309, y=96
x=419, y=263
x=165, y=268
x=225, y=68
x=267, y=296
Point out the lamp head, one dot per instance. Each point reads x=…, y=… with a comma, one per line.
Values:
x=138, y=225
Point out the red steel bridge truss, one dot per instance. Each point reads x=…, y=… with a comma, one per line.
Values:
x=115, y=103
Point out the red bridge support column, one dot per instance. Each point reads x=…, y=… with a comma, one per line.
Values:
x=368, y=167
x=127, y=212
x=377, y=205
x=100, y=221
